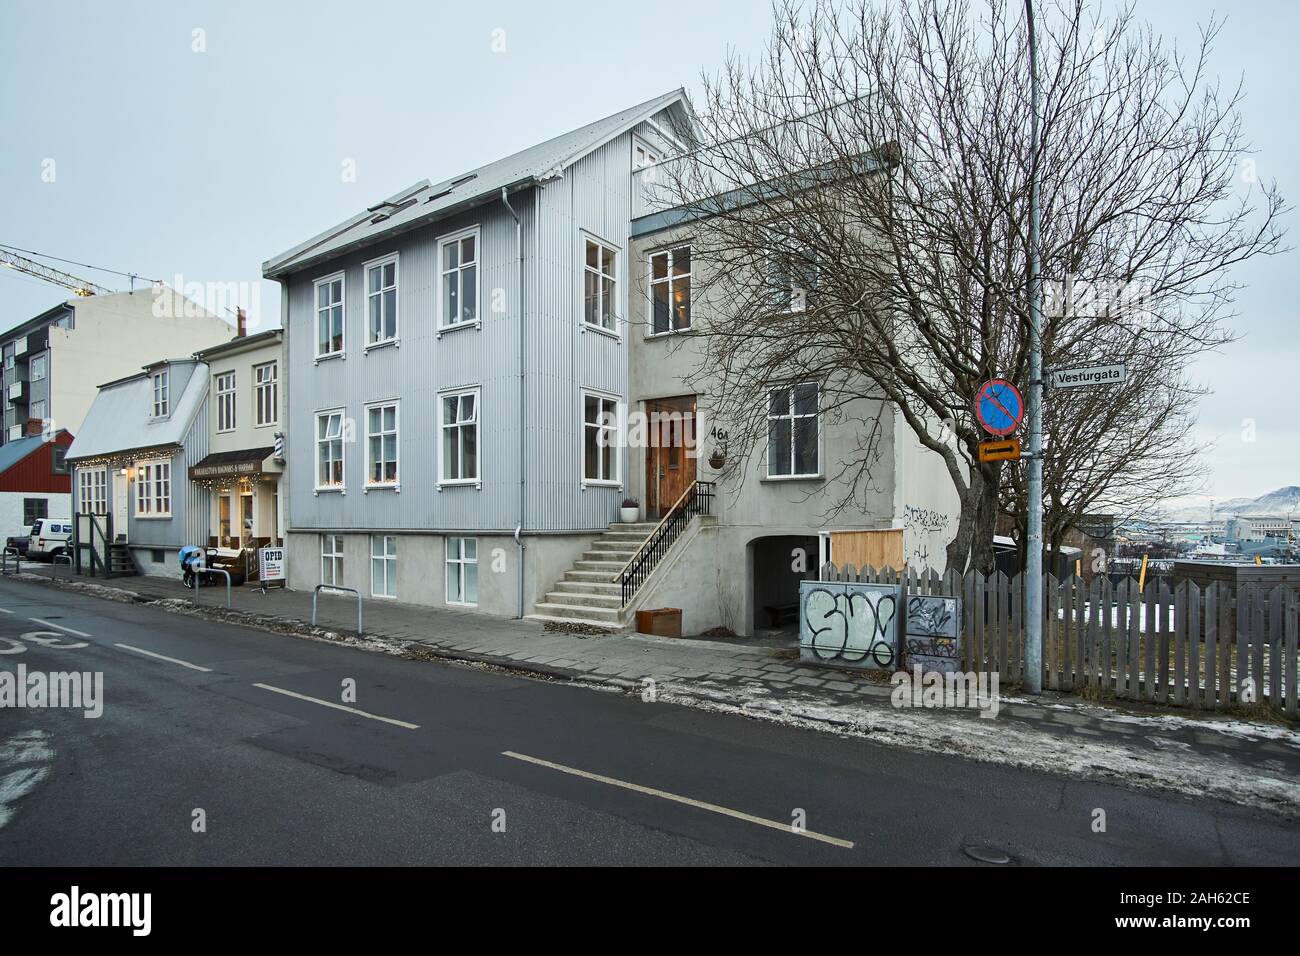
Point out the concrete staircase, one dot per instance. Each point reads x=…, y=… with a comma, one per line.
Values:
x=589, y=592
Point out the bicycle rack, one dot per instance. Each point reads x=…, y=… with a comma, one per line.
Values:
x=330, y=587
x=56, y=559
x=198, y=580
x=4, y=560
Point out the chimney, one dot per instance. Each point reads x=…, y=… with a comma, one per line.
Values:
x=241, y=323
x=35, y=426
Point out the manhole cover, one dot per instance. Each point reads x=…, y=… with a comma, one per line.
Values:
x=986, y=854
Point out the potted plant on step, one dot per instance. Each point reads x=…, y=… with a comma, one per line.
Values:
x=630, y=511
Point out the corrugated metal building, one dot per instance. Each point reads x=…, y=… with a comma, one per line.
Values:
x=438, y=350
x=132, y=457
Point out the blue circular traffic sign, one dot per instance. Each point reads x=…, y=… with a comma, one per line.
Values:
x=999, y=407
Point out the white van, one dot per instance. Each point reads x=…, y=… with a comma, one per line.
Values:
x=49, y=537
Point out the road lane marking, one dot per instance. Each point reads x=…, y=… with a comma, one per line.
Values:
x=676, y=798
x=5, y=610
x=31, y=755
x=163, y=657
x=343, y=707
x=59, y=627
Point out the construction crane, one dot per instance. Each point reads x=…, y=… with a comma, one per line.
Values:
x=82, y=287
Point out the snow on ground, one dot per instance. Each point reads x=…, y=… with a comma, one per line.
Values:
x=1012, y=742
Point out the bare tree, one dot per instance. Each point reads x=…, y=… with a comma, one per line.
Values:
x=859, y=217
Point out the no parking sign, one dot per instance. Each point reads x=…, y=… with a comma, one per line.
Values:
x=999, y=407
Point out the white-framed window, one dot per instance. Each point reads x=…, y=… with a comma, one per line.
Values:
x=226, y=402
x=462, y=571
x=161, y=398
x=329, y=315
x=381, y=301
x=331, y=560
x=670, y=290
x=37, y=410
x=383, y=565
x=793, y=433
x=37, y=367
x=643, y=154
x=599, y=285
x=792, y=270
x=381, y=444
x=599, y=439
x=266, y=392
x=329, y=450
x=458, y=296
x=92, y=491
x=458, y=456
x=153, y=489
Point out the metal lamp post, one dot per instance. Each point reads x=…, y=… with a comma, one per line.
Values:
x=1033, y=665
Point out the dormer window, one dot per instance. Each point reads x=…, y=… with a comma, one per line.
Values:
x=161, y=401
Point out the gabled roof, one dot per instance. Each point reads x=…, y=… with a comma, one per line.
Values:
x=118, y=420
x=424, y=202
x=11, y=453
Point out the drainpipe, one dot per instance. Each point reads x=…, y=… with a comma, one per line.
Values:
x=519, y=528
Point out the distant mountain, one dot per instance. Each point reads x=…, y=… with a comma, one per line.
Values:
x=1282, y=502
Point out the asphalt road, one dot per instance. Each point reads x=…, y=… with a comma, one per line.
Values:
x=577, y=776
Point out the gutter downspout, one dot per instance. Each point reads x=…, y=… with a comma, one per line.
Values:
x=519, y=528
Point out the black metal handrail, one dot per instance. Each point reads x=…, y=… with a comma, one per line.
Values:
x=696, y=500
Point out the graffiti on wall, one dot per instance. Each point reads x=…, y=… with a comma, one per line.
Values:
x=926, y=535
x=851, y=624
x=933, y=638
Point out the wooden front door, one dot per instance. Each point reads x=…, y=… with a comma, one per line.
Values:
x=670, y=459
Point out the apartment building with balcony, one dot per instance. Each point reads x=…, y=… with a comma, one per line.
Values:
x=54, y=362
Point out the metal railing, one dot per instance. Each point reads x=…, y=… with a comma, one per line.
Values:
x=333, y=587
x=55, y=561
x=695, y=500
x=4, y=560
x=198, y=581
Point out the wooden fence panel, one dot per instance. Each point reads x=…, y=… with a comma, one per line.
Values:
x=1085, y=632
x=1181, y=642
x=1225, y=648
x=1170, y=642
x=1194, y=619
x=1254, y=668
x=1273, y=665
x=1291, y=614
x=1051, y=632
x=1016, y=605
x=1135, y=640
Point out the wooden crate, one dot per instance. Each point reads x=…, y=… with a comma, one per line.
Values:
x=662, y=622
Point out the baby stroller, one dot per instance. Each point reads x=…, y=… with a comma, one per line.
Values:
x=191, y=559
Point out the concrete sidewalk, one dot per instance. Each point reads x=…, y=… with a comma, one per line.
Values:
x=1251, y=763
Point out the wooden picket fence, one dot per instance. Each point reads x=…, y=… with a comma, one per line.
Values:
x=1173, y=642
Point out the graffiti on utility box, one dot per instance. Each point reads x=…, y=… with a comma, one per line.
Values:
x=933, y=639
x=849, y=624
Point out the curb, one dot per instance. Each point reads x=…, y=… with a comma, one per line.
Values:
x=823, y=719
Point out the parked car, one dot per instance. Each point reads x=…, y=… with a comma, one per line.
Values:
x=49, y=537
x=17, y=543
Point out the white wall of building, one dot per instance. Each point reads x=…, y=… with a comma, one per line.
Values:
x=11, y=509
x=114, y=336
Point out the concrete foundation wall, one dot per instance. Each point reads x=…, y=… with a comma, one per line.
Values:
x=709, y=571
x=421, y=567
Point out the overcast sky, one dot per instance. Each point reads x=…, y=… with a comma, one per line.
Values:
x=169, y=162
